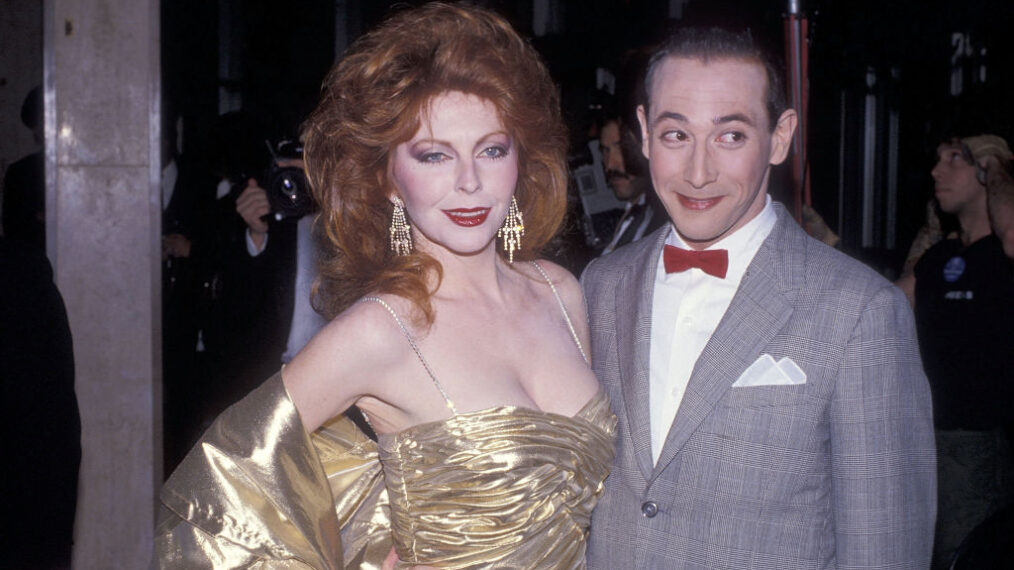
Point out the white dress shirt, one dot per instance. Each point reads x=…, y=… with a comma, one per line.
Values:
x=686, y=309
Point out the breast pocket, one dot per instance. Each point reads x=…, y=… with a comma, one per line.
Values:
x=776, y=422
x=765, y=396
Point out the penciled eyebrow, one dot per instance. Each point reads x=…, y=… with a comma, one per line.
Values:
x=484, y=139
x=679, y=117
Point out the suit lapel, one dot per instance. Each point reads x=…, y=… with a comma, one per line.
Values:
x=633, y=336
x=760, y=308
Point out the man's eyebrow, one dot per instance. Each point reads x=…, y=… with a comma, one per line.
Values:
x=732, y=118
x=735, y=117
x=669, y=115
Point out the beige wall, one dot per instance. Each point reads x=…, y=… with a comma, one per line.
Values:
x=102, y=212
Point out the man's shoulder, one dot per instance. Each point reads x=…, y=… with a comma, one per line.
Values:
x=818, y=265
x=624, y=259
x=848, y=266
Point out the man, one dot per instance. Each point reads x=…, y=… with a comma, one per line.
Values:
x=772, y=409
x=267, y=279
x=23, y=207
x=643, y=213
x=40, y=426
x=964, y=308
x=985, y=168
x=254, y=207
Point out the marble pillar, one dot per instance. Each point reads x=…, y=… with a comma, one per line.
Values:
x=101, y=81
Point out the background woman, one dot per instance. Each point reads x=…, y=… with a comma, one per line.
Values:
x=438, y=136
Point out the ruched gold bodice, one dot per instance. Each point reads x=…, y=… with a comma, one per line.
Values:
x=507, y=487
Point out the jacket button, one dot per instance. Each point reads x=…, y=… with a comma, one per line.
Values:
x=649, y=509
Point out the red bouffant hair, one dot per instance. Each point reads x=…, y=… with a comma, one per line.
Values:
x=372, y=101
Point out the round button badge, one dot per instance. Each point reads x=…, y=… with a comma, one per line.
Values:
x=954, y=268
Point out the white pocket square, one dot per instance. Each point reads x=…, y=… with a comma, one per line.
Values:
x=766, y=372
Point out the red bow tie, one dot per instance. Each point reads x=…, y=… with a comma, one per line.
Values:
x=711, y=261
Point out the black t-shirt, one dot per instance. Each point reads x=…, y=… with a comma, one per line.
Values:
x=964, y=308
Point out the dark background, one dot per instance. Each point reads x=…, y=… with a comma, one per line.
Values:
x=278, y=53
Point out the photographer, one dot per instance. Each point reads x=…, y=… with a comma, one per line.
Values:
x=276, y=273
x=254, y=206
x=287, y=202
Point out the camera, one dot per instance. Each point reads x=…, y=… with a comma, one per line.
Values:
x=287, y=187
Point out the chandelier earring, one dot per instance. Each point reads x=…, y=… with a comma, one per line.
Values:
x=401, y=236
x=512, y=230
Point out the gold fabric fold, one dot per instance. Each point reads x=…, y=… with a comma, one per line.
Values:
x=507, y=487
x=350, y=461
x=258, y=492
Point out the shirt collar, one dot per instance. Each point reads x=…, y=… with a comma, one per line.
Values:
x=640, y=200
x=742, y=244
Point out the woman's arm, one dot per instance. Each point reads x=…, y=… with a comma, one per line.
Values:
x=350, y=358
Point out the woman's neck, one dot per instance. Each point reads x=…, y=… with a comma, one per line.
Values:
x=479, y=276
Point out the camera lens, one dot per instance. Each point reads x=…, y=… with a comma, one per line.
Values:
x=289, y=193
x=288, y=187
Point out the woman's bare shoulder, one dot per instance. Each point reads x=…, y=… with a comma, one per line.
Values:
x=347, y=359
x=364, y=328
x=562, y=279
x=569, y=289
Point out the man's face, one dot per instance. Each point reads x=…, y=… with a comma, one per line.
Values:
x=709, y=144
x=955, y=185
x=612, y=160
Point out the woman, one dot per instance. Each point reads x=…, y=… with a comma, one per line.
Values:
x=437, y=156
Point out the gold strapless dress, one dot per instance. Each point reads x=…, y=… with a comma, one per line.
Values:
x=507, y=487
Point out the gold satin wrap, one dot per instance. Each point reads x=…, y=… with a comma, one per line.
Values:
x=256, y=492
x=499, y=488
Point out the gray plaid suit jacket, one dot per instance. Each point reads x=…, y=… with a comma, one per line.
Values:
x=838, y=472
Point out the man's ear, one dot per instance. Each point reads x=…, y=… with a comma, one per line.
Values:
x=643, y=119
x=781, y=138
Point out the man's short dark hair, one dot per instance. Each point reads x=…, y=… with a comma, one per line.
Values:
x=714, y=43
x=31, y=108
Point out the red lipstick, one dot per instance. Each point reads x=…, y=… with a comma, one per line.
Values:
x=697, y=204
x=467, y=217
